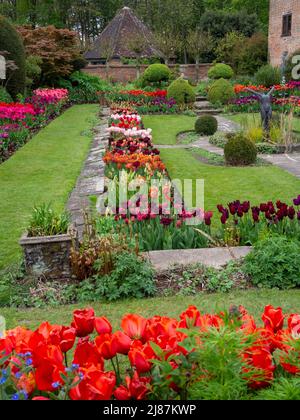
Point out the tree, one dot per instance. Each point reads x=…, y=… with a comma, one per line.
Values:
x=58, y=49
x=167, y=43
x=199, y=43
x=137, y=46
x=12, y=44
x=230, y=50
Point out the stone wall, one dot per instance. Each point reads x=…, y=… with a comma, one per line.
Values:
x=48, y=257
x=128, y=73
x=279, y=44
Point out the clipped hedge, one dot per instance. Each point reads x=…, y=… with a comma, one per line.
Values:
x=221, y=91
x=11, y=42
x=157, y=73
x=182, y=92
x=221, y=71
x=206, y=125
x=240, y=151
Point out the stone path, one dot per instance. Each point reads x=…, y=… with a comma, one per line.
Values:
x=211, y=257
x=91, y=180
x=288, y=162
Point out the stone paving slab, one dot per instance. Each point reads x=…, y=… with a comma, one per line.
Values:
x=211, y=257
x=91, y=180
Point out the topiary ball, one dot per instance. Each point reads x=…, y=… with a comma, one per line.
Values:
x=182, y=92
x=206, y=125
x=220, y=71
x=221, y=91
x=157, y=73
x=240, y=151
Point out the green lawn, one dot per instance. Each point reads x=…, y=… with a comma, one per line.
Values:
x=250, y=118
x=225, y=184
x=44, y=170
x=254, y=301
x=166, y=127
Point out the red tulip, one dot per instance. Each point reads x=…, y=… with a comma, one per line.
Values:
x=87, y=355
x=40, y=399
x=84, y=322
x=48, y=360
x=95, y=386
x=64, y=337
x=190, y=318
x=261, y=360
x=273, y=318
x=140, y=355
x=121, y=342
x=135, y=389
x=134, y=326
x=105, y=346
x=103, y=326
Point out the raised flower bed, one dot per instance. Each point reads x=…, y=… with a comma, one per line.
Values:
x=167, y=358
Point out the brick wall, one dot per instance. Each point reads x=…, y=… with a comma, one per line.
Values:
x=277, y=43
x=127, y=73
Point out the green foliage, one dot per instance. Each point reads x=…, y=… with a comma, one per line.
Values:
x=206, y=125
x=182, y=92
x=219, y=139
x=268, y=76
x=219, y=22
x=230, y=50
x=11, y=43
x=157, y=73
x=285, y=389
x=4, y=95
x=274, y=262
x=221, y=91
x=33, y=70
x=219, y=365
x=132, y=277
x=239, y=151
x=254, y=54
x=45, y=222
x=220, y=71
x=223, y=280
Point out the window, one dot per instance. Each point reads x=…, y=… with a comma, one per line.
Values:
x=287, y=25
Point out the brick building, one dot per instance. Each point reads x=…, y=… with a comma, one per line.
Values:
x=284, y=30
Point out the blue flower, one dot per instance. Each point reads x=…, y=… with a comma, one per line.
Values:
x=18, y=375
x=3, y=380
x=29, y=362
x=55, y=385
x=15, y=397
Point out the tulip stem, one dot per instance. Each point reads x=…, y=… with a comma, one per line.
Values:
x=66, y=360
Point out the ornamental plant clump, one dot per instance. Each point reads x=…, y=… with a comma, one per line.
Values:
x=182, y=92
x=196, y=356
x=274, y=262
x=240, y=151
x=206, y=125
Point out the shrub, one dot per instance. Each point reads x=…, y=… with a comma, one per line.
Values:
x=220, y=71
x=220, y=91
x=268, y=76
x=254, y=54
x=5, y=96
x=206, y=125
x=274, y=262
x=33, y=70
x=240, y=151
x=182, y=92
x=11, y=42
x=157, y=73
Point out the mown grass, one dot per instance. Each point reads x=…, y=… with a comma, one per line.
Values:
x=44, y=170
x=166, y=127
x=253, y=300
x=225, y=184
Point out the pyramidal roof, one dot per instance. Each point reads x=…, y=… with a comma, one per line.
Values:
x=124, y=27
